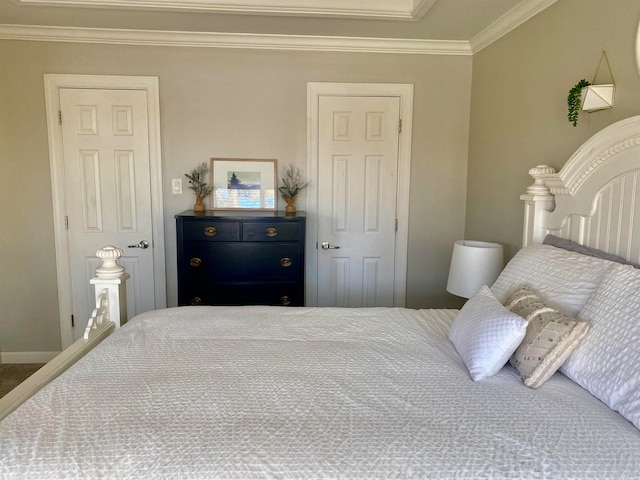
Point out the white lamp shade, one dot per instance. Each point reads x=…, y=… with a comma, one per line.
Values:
x=474, y=264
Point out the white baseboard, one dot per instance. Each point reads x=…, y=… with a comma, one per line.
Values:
x=27, y=357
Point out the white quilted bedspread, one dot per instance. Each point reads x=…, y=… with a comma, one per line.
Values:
x=304, y=393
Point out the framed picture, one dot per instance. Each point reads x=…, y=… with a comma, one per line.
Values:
x=243, y=184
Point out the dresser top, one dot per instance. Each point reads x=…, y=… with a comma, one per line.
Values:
x=241, y=214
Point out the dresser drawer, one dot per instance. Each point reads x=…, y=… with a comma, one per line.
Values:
x=243, y=261
x=211, y=231
x=281, y=293
x=270, y=232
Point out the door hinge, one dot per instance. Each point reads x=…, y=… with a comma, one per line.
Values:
x=59, y=117
x=399, y=126
x=396, y=224
x=66, y=222
x=73, y=324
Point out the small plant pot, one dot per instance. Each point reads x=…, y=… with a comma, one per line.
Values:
x=598, y=97
x=290, y=209
x=199, y=206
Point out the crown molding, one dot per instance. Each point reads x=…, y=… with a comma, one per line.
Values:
x=421, y=8
x=234, y=40
x=505, y=24
x=508, y=22
x=373, y=9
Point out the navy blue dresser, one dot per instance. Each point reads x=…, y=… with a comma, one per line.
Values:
x=240, y=258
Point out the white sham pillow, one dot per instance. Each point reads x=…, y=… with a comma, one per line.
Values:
x=486, y=334
x=607, y=362
x=565, y=279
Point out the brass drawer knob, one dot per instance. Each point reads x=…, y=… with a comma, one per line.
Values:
x=196, y=301
x=271, y=232
x=210, y=231
x=195, y=262
x=285, y=262
x=285, y=300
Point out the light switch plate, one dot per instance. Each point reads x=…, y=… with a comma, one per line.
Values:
x=176, y=186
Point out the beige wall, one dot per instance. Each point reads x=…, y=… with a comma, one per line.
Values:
x=518, y=108
x=215, y=102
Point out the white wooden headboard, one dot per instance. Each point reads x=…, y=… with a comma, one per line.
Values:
x=595, y=198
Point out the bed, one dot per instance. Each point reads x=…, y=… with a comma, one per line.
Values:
x=373, y=393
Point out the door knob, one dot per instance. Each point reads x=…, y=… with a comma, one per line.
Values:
x=142, y=244
x=327, y=246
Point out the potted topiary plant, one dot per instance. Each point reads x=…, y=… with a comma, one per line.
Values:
x=199, y=186
x=291, y=186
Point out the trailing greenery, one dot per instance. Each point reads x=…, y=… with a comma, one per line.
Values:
x=574, y=101
x=196, y=180
x=291, y=183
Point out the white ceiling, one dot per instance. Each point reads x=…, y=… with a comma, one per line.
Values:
x=391, y=26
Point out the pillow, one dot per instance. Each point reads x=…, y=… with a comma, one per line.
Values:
x=583, y=249
x=551, y=337
x=607, y=362
x=485, y=334
x=565, y=279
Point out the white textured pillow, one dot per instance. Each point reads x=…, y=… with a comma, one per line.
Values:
x=485, y=334
x=607, y=362
x=565, y=279
x=551, y=337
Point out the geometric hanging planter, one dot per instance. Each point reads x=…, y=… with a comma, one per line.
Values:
x=598, y=97
x=591, y=97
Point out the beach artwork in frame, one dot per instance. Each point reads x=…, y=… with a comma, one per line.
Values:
x=243, y=184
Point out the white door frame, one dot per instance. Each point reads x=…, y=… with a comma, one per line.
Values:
x=405, y=92
x=52, y=83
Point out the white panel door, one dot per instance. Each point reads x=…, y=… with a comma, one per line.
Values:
x=357, y=186
x=105, y=140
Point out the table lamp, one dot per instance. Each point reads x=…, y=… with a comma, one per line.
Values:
x=474, y=264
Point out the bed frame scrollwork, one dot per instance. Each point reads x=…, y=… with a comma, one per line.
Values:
x=595, y=198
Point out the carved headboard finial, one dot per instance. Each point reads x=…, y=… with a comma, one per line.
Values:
x=538, y=174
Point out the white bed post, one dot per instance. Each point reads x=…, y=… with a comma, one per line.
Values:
x=537, y=201
x=111, y=276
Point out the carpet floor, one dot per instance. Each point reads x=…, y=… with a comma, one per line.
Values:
x=12, y=374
